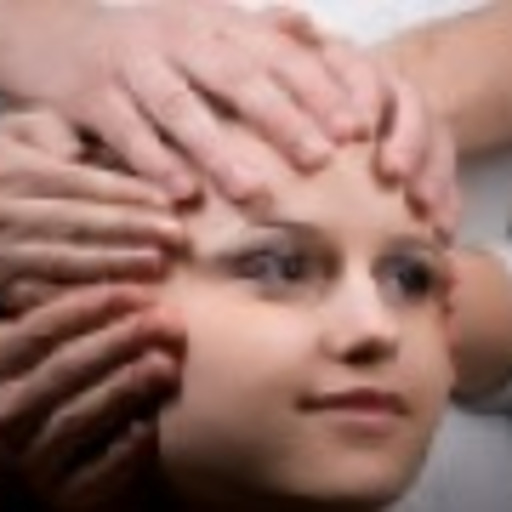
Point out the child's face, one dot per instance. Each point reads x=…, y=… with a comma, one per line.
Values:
x=317, y=364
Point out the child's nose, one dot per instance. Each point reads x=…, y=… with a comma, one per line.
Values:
x=359, y=327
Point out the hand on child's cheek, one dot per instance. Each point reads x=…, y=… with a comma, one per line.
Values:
x=81, y=382
x=56, y=215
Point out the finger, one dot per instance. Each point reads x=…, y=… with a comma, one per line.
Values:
x=187, y=119
x=435, y=187
x=43, y=130
x=313, y=90
x=408, y=133
x=81, y=430
x=28, y=172
x=245, y=85
x=25, y=342
x=78, y=363
x=83, y=221
x=24, y=295
x=114, y=477
x=357, y=80
x=69, y=263
x=450, y=215
x=294, y=22
x=114, y=117
x=368, y=91
x=300, y=69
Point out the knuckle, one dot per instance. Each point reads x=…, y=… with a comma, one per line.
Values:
x=177, y=103
x=252, y=89
x=136, y=380
x=296, y=64
x=111, y=298
x=155, y=368
x=132, y=142
x=126, y=294
x=12, y=155
x=304, y=74
x=149, y=327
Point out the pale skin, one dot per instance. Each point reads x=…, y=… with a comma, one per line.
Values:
x=98, y=186
x=113, y=332
x=125, y=75
x=48, y=242
x=94, y=402
x=495, y=317
x=497, y=294
x=463, y=67
x=57, y=214
x=305, y=298
x=357, y=302
x=42, y=187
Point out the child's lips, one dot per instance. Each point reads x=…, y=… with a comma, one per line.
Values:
x=365, y=408
x=364, y=398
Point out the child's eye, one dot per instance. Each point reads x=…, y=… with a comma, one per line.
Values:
x=408, y=277
x=277, y=269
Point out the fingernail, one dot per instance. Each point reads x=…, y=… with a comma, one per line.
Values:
x=397, y=163
x=182, y=187
x=342, y=126
x=161, y=369
x=243, y=183
x=350, y=125
x=152, y=265
x=173, y=235
x=314, y=150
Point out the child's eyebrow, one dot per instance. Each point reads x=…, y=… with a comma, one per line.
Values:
x=257, y=232
x=288, y=229
x=417, y=243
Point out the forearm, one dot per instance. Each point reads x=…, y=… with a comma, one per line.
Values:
x=464, y=68
x=482, y=323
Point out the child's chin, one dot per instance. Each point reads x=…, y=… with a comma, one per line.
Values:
x=340, y=499
x=344, y=493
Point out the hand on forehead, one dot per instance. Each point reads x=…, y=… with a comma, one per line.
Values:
x=347, y=183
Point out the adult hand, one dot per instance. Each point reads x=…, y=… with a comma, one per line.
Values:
x=419, y=150
x=416, y=146
x=81, y=381
x=71, y=223
x=140, y=74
